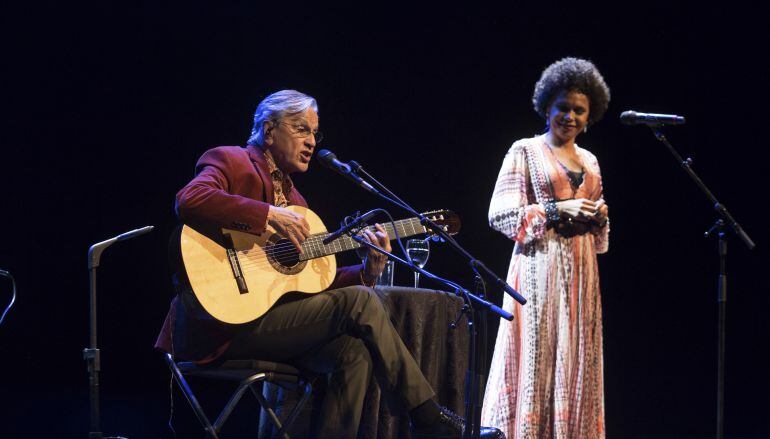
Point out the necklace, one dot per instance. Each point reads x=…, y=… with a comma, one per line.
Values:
x=575, y=177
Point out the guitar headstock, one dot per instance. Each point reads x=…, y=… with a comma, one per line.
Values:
x=446, y=219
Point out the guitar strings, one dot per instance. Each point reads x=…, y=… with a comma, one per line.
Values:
x=279, y=251
x=287, y=252
x=313, y=242
x=284, y=253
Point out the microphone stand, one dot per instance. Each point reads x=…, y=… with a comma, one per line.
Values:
x=475, y=378
x=92, y=354
x=720, y=230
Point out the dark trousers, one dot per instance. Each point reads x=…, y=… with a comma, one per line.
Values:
x=346, y=333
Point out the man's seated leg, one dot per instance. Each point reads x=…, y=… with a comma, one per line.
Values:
x=349, y=364
x=399, y=373
x=296, y=330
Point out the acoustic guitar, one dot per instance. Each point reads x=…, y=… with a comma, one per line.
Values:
x=239, y=281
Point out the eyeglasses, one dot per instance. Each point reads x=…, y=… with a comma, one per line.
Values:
x=303, y=131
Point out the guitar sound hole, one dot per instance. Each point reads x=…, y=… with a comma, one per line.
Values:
x=283, y=256
x=285, y=253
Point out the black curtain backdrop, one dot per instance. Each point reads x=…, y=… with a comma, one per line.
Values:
x=108, y=106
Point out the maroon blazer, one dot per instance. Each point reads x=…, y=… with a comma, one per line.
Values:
x=232, y=189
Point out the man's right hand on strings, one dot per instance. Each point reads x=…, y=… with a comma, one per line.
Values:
x=289, y=224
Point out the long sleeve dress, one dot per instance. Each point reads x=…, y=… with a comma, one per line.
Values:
x=545, y=379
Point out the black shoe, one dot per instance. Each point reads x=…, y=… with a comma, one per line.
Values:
x=451, y=426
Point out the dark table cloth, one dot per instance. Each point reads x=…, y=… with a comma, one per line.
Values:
x=422, y=318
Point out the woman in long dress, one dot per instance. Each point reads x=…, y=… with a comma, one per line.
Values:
x=545, y=379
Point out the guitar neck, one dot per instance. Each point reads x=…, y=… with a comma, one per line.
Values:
x=313, y=247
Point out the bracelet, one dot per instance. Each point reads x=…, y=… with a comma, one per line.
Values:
x=551, y=211
x=364, y=282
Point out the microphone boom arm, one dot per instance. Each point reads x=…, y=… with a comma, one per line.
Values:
x=460, y=290
x=475, y=263
x=719, y=207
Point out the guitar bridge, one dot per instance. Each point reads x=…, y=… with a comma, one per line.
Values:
x=235, y=265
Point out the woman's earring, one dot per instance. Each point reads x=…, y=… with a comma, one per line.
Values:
x=585, y=129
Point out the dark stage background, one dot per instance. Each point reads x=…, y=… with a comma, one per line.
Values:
x=109, y=106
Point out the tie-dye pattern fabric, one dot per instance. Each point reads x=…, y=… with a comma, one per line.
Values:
x=545, y=379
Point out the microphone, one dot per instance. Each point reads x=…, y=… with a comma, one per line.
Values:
x=329, y=159
x=134, y=233
x=346, y=227
x=652, y=119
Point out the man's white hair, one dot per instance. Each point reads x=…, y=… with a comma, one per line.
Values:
x=276, y=106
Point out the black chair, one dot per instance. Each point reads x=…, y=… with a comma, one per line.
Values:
x=247, y=373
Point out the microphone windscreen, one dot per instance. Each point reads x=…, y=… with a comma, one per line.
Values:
x=628, y=117
x=325, y=155
x=329, y=159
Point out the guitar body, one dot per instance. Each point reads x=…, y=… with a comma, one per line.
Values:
x=241, y=276
x=266, y=266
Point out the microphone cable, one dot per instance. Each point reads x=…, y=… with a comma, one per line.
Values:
x=13, y=297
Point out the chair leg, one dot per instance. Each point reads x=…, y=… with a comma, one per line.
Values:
x=266, y=406
x=242, y=386
x=283, y=427
x=211, y=432
x=297, y=409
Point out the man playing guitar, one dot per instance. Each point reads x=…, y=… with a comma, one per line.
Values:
x=343, y=331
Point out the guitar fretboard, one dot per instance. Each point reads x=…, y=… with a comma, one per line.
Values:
x=313, y=247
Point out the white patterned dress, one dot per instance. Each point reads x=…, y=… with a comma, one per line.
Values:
x=545, y=379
